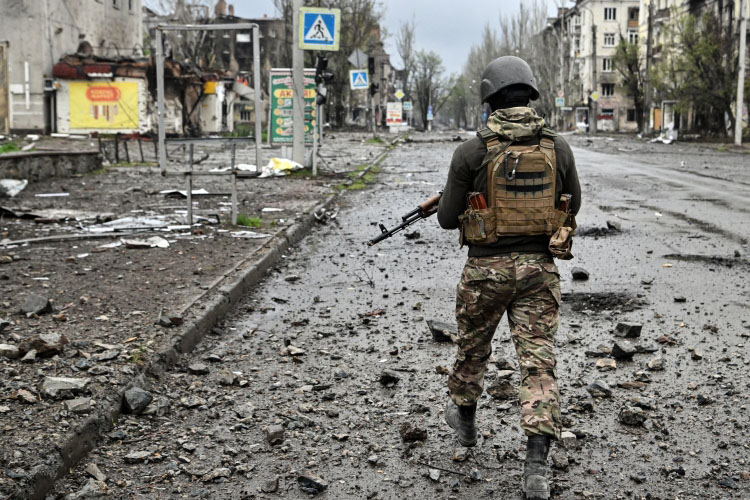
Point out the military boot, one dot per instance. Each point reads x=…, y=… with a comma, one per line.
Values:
x=535, y=484
x=461, y=419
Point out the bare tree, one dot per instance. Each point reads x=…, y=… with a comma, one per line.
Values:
x=517, y=35
x=431, y=88
x=405, y=47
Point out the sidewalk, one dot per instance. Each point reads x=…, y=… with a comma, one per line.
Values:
x=102, y=313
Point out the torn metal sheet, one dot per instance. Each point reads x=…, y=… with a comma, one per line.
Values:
x=129, y=223
x=176, y=193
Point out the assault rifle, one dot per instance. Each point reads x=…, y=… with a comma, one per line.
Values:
x=423, y=210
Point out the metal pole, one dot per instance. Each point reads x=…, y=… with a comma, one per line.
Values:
x=234, y=185
x=140, y=147
x=258, y=104
x=315, y=140
x=562, y=76
x=160, y=101
x=298, y=94
x=647, y=86
x=594, y=105
x=740, y=77
x=190, y=191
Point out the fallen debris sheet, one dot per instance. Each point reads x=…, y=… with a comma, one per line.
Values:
x=11, y=187
x=249, y=234
x=176, y=193
x=133, y=223
x=153, y=242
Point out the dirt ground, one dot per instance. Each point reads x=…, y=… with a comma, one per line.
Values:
x=105, y=301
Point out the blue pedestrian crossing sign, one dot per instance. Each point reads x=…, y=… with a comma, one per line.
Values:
x=319, y=28
x=358, y=79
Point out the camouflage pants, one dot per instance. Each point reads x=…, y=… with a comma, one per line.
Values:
x=528, y=287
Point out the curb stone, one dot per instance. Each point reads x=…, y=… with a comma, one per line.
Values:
x=86, y=436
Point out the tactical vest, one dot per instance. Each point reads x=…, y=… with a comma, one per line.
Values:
x=521, y=192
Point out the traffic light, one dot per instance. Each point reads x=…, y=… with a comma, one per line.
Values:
x=371, y=66
x=374, y=88
x=322, y=75
x=321, y=96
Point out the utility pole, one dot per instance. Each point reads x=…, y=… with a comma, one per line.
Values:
x=740, y=77
x=562, y=77
x=298, y=93
x=594, y=104
x=647, y=86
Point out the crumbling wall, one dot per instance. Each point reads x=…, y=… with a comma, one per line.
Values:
x=36, y=166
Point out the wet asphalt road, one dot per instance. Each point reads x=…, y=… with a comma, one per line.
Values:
x=356, y=311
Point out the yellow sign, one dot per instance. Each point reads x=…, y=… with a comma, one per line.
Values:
x=104, y=105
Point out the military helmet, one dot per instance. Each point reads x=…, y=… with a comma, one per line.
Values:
x=504, y=72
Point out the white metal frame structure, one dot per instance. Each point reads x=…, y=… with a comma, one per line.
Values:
x=188, y=174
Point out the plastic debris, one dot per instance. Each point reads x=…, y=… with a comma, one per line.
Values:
x=249, y=234
x=278, y=167
x=11, y=187
x=51, y=195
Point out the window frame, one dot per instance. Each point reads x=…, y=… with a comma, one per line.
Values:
x=610, y=13
x=608, y=65
x=633, y=34
x=611, y=37
x=605, y=93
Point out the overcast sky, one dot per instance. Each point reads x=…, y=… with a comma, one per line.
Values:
x=448, y=27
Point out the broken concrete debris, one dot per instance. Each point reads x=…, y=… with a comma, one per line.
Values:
x=275, y=434
x=9, y=351
x=311, y=483
x=411, y=432
x=623, y=350
x=628, y=330
x=63, y=387
x=442, y=332
x=135, y=400
x=44, y=345
x=632, y=416
x=599, y=389
x=389, y=378
x=36, y=304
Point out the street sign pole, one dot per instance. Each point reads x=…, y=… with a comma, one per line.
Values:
x=298, y=93
x=740, y=77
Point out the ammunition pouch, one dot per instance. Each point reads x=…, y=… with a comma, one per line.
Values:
x=561, y=241
x=477, y=227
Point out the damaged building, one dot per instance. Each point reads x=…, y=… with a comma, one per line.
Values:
x=35, y=35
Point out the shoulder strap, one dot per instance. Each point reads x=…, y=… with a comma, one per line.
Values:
x=548, y=132
x=489, y=137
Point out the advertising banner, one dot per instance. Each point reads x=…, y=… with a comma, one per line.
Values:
x=282, y=110
x=104, y=105
x=394, y=113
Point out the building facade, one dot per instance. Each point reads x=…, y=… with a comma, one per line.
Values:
x=665, y=17
x=36, y=34
x=600, y=25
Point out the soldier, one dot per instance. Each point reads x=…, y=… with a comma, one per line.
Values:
x=523, y=172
